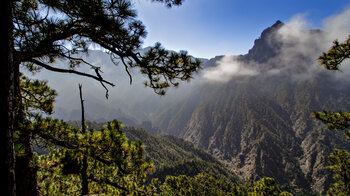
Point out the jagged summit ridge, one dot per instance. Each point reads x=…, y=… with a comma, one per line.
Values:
x=267, y=45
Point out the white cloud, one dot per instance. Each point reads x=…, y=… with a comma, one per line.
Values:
x=338, y=26
x=297, y=57
x=302, y=47
x=227, y=68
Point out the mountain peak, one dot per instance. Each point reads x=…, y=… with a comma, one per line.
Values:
x=263, y=47
x=277, y=24
x=271, y=30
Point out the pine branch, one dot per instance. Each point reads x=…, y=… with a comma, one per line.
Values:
x=48, y=67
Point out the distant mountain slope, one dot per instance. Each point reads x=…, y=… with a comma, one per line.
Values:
x=260, y=124
x=174, y=156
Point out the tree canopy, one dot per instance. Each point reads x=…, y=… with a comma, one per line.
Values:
x=47, y=30
x=339, y=159
x=38, y=32
x=332, y=59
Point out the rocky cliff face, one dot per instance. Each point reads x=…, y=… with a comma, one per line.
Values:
x=268, y=133
x=261, y=125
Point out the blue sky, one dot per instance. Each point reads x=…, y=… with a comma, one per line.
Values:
x=206, y=28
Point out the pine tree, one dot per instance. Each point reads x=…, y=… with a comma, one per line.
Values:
x=339, y=159
x=267, y=186
x=332, y=60
x=41, y=37
x=101, y=161
x=36, y=98
x=40, y=31
x=115, y=165
x=340, y=165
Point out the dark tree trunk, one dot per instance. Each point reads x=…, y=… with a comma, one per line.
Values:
x=7, y=94
x=26, y=182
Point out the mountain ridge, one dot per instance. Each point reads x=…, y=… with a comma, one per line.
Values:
x=261, y=125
